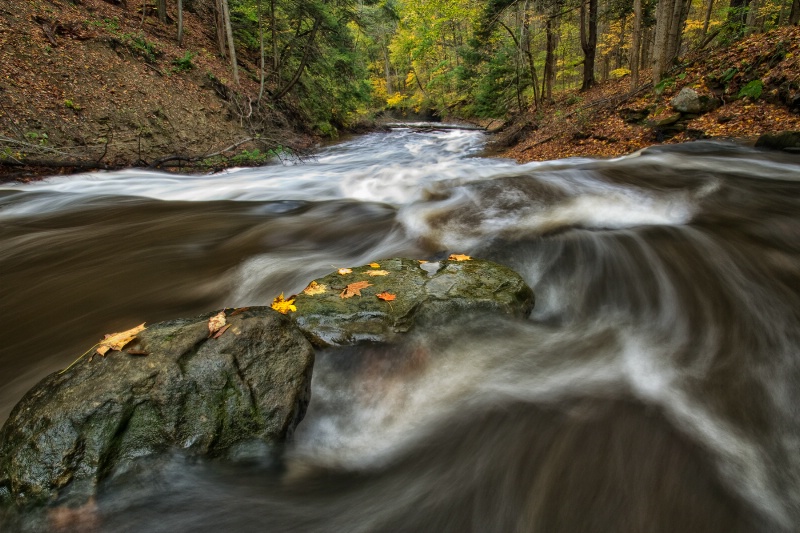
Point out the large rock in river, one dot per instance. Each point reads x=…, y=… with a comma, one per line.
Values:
x=424, y=294
x=242, y=393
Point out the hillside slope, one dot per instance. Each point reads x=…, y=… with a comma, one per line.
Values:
x=95, y=83
x=608, y=121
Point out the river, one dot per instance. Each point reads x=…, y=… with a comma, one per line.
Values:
x=655, y=387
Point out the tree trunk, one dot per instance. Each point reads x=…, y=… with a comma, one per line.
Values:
x=675, y=31
x=737, y=13
x=261, y=50
x=226, y=15
x=636, y=43
x=180, y=22
x=588, y=41
x=162, y=11
x=660, y=44
x=550, y=59
x=706, y=20
x=220, y=27
x=794, y=16
x=303, y=62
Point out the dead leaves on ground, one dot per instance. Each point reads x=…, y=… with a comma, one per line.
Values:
x=354, y=289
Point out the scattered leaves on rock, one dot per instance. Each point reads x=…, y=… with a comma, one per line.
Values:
x=282, y=305
x=222, y=330
x=315, y=288
x=386, y=296
x=354, y=289
x=216, y=322
x=377, y=273
x=459, y=257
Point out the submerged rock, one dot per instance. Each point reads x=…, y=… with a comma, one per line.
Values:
x=425, y=294
x=242, y=393
x=788, y=141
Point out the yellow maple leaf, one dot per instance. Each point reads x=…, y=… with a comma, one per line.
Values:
x=354, y=289
x=377, y=273
x=343, y=271
x=117, y=341
x=374, y=265
x=282, y=305
x=315, y=288
x=459, y=257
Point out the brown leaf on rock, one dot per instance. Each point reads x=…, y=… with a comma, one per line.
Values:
x=216, y=322
x=377, y=273
x=117, y=341
x=315, y=288
x=354, y=289
x=386, y=296
x=222, y=330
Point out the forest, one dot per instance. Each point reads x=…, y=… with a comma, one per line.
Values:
x=267, y=77
x=466, y=58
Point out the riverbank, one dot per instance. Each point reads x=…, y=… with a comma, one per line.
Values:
x=751, y=88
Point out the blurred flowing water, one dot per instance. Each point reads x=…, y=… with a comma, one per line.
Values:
x=655, y=387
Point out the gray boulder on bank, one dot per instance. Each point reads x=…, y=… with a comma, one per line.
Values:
x=242, y=393
x=425, y=294
x=788, y=141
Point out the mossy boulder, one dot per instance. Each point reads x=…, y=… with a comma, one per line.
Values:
x=425, y=294
x=242, y=393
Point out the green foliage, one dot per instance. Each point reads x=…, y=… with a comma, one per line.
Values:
x=109, y=24
x=664, y=85
x=69, y=104
x=184, y=63
x=752, y=90
x=39, y=138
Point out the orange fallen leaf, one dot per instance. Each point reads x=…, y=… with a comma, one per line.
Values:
x=117, y=341
x=239, y=311
x=315, y=288
x=386, y=296
x=374, y=265
x=216, y=322
x=422, y=261
x=377, y=273
x=282, y=305
x=459, y=257
x=354, y=289
x=344, y=271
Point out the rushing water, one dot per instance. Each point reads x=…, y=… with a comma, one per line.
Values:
x=655, y=387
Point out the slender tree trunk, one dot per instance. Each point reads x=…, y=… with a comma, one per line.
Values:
x=636, y=43
x=706, y=20
x=752, y=16
x=794, y=16
x=675, y=31
x=220, y=27
x=162, y=11
x=588, y=41
x=180, y=22
x=261, y=50
x=387, y=69
x=550, y=59
x=226, y=14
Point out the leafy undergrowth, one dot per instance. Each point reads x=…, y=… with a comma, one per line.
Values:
x=97, y=83
x=756, y=82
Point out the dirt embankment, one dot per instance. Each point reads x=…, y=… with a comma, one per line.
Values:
x=750, y=88
x=94, y=83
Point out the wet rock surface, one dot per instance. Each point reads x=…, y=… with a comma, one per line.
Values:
x=237, y=395
x=426, y=294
